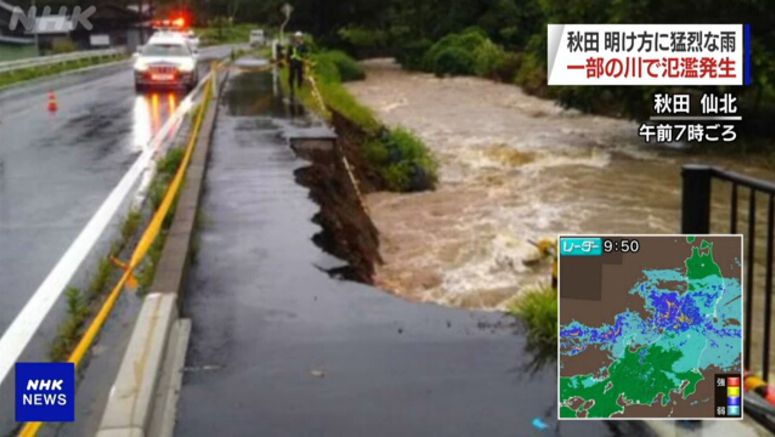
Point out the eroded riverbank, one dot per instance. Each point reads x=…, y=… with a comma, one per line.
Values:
x=513, y=168
x=278, y=342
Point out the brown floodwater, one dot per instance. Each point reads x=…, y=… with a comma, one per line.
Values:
x=513, y=169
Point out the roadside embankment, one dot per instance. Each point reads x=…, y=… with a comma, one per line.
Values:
x=395, y=155
x=347, y=231
x=24, y=75
x=366, y=157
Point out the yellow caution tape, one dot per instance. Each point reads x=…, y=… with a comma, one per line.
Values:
x=151, y=232
x=314, y=86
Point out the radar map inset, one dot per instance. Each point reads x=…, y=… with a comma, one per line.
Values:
x=650, y=326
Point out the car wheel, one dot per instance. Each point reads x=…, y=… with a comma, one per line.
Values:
x=139, y=87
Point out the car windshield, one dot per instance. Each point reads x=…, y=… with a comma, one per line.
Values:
x=166, y=50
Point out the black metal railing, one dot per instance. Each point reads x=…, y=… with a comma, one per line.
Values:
x=696, y=217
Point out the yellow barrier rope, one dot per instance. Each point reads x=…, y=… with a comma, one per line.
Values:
x=314, y=86
x=151, y=232
x=319, y=98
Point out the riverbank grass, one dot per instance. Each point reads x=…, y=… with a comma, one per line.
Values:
x=399, y=156
x=537, y=307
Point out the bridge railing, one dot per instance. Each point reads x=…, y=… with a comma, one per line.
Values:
x=696, y=219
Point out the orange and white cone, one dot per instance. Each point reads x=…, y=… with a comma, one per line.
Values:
x=52, y=102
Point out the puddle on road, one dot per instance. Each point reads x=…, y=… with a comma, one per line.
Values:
x=240, y=97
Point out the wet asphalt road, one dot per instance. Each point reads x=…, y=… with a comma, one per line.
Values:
x=280, y=348
x=57, y=168
x=55, y=171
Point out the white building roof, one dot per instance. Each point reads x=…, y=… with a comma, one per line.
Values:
x=53, y=24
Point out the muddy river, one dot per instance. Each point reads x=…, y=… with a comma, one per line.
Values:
x=513, y=168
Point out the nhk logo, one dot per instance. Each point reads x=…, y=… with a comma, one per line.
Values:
x=45, y=392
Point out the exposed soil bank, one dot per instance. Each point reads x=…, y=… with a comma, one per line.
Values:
x=347, y=231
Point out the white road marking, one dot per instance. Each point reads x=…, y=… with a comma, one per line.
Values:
x=29, y=319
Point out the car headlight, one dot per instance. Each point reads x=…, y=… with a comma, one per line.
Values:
x=141, y=66
x=187, y=67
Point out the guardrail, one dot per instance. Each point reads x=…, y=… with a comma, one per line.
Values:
x=695, y=219
x=40, y=61
x=134, y=182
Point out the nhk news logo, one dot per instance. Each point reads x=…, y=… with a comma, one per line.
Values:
x=45, y=392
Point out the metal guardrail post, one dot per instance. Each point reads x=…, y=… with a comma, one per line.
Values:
x=695, y=205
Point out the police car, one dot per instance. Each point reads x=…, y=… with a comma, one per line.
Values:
x=166, y=60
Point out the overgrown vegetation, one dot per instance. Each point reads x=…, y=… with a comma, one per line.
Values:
x=70, y=330
x=23, y=75
x=467, y=53
x=80, y=305
x=165, y=171
x=399, y=156
x=337, y=66
x=537, y=307
x=402, y=160
x=166, y=168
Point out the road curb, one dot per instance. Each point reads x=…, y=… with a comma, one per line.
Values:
x=143, y=399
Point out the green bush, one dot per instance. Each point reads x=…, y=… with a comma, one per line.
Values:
x=130, y=225
x=375, y=151
x=363, y=38
x=171, y=161
x=326, y=69
x=468, y=53
x=412, y=54
x=466, y=41
x=537, y=307
x=531, y=76
x=347, y=69
x=487, y=57
x=454, y=61
x=69, y=330
x=165, y=171
x=403, y=160
x=507, y=67
x=101, y=278
x=339, y=99
x=400, y=157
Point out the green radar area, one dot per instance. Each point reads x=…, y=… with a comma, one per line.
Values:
x=650, y=326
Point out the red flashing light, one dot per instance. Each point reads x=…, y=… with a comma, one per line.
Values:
x=179, y=22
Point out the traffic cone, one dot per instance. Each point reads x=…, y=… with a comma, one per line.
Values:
x=52, y=102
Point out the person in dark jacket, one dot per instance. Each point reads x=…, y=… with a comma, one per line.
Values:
x=297, y=55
